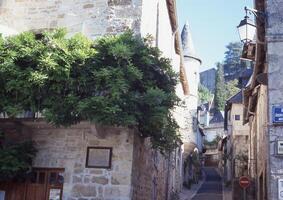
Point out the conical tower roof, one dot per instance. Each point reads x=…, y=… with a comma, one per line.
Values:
x=187, y=43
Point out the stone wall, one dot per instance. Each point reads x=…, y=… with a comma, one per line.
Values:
x=239, y=135
x=258, y=148
x=274, y=38
x=154, y=176
x=262, y=142
x=66, y=148
x=138, y=172
x=92, y=17
x=240, y=149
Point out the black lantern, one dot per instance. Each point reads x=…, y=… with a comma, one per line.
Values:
x=247, y=30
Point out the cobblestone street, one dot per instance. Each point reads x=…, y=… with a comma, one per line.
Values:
x=211, y=189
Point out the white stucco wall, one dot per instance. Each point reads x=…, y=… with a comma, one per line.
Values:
x=155, y=21
x=190, y=132
x=237, y=125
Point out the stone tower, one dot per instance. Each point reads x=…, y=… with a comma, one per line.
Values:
x=192, y=64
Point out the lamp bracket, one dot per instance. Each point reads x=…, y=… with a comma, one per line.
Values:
x=255, y=12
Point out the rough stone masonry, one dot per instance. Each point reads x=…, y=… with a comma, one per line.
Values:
x=93, y=18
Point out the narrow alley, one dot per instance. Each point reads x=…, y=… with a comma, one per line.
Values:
x=211, y=188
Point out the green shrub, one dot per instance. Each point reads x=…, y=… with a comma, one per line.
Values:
x=16, y=160
x=116, y=80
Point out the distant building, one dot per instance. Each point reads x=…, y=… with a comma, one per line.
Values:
x=212, y=122
x=234, y=145
x=208, y=78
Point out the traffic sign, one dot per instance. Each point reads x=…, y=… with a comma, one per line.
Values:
x=244, y=182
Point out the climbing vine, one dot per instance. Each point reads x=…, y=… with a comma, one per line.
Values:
x=15, y=159
x=115, y=80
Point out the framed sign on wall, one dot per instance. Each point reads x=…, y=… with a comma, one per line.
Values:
x=99, y=157
x=277, y=114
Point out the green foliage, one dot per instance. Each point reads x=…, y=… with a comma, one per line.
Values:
x=233, y=65
x=242, y=156
x=214, y=142
x=204, y=94
x=115, y=80
x=16, y=160
x=232, y=88
x=220, y=92
x=233, y=54
x=223, y=91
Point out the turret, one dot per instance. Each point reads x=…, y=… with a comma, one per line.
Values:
x=191, y=61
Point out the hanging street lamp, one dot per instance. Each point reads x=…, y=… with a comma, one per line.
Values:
x=247, y=32
x=247, y=29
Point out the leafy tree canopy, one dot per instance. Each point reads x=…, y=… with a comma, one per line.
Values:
x=220, y=91
x=233, y=54
x=232, y=88
x=233, y=65
x=15, y=160
x=224, y=91
x=115, y=80
x=204, y=94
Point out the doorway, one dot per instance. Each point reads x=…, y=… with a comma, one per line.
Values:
x=42, y=183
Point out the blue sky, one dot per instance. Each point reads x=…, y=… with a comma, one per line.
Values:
x=213, y=24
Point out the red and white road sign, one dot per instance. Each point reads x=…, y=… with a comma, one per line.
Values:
x=244, y=182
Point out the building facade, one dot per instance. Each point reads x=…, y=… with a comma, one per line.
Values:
x=257, y=105
x=234, y=147
x=273, y=41
x=66, y=150
x=189, y=114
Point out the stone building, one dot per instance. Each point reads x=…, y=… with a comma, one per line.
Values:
x=134, y=170
x=208, y=78
x=235, y=144
x=259, y=96
x=192, y=137
x=211, y=121
x=63, y=151
x=273, y=41
x=191, y=64
x=214, y=130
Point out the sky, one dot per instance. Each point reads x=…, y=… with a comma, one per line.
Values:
x=213, y=24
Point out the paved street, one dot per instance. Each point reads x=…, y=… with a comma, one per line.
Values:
x=211, y=189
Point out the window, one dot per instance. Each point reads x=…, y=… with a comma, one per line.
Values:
x=237, y=117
